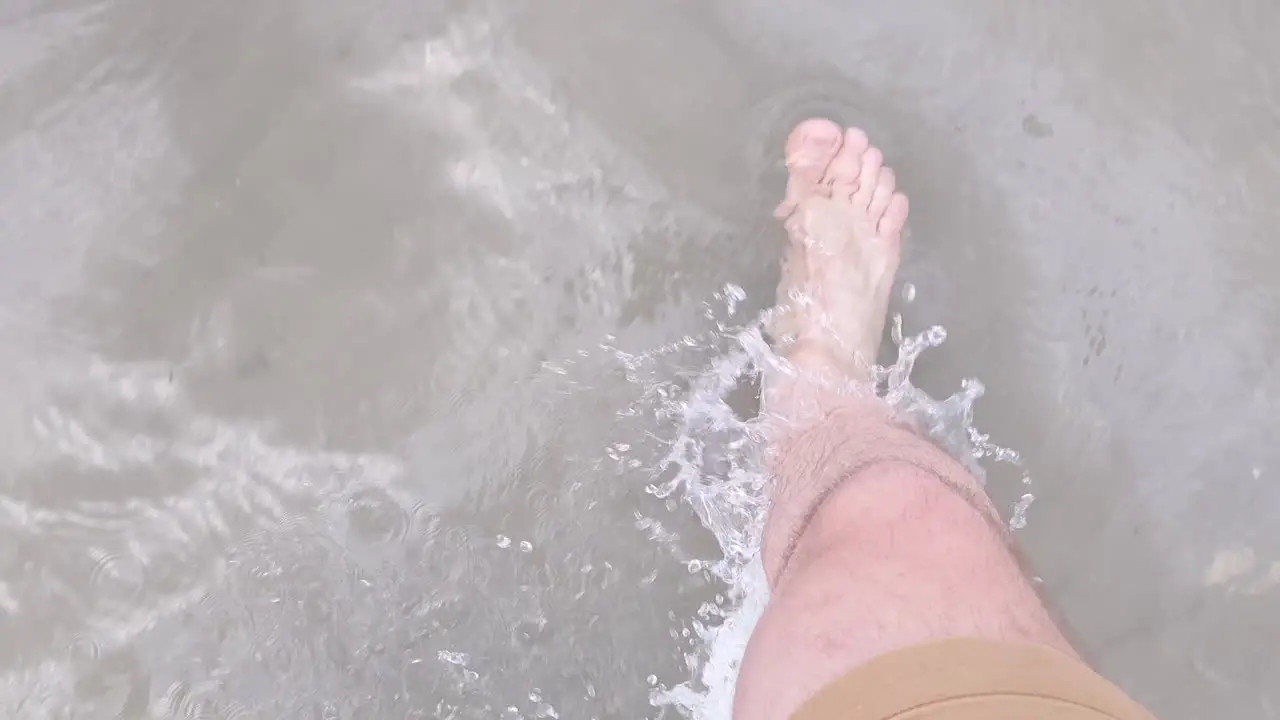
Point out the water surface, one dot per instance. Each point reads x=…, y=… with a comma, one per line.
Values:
x=344, y=343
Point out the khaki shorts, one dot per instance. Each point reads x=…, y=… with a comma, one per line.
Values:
x=966, y=679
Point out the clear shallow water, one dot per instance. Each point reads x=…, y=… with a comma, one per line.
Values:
x=319, y=320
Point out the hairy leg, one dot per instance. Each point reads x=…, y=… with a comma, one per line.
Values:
x=876, y=540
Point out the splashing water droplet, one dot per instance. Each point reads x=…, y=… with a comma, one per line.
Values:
x=1019, y=518
x=711, y=463
x=453, y=658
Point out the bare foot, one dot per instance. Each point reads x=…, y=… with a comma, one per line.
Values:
x=845, y=222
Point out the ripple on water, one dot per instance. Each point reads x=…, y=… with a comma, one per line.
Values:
x=374, y=516
x=769, y=122
x=115, y=575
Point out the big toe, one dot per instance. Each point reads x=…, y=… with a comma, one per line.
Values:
x=810, y=148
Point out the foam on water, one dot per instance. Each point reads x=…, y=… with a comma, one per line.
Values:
x=713, y=465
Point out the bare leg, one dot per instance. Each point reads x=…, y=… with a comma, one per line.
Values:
x=876, y=541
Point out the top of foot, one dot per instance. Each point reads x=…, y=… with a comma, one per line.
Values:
x=844, y=222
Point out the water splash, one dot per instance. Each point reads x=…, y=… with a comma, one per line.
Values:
x=713, y=465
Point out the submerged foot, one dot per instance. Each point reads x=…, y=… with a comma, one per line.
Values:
x=844, y=221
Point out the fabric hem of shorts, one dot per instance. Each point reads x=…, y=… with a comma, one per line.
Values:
x=941, y=679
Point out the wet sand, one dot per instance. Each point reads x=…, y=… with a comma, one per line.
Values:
x=303, y=303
